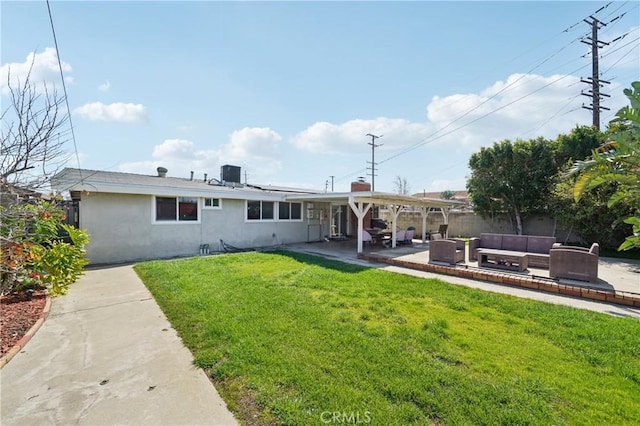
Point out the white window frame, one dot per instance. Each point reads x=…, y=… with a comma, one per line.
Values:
x=177, y=221
x=205, y=207
x=290, y=204
x=246, y=211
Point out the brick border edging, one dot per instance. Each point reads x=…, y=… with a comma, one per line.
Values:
x=28, y=335
x=523, y=281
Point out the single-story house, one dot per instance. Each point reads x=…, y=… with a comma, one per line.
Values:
x=131, y=217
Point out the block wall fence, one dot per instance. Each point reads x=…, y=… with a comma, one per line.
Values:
x=469, y=224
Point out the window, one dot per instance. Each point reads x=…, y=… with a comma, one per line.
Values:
x=188, y=208
x=212, y=203
x=296, y=211
x=266, y=210
x=289, y=211
x=165, y=208
x=172, y=209
x=260, y=210
x=284, y=212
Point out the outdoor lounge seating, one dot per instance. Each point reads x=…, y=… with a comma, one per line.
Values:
x=400, y=236
x=366, y=237
x=575, y=263
x=447, y=250
x=408, y=235
x=536, y=247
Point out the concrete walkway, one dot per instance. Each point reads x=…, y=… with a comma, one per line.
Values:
x=107, y=355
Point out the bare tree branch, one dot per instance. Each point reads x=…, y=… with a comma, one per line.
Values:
x=32, y=148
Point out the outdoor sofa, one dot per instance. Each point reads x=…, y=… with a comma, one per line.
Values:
x=536, y=247
x=448, y=250
x=574, y=263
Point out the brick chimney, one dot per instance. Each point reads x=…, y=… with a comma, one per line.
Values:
x=360, y=186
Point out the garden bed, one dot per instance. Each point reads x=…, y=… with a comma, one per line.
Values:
x=17, y=315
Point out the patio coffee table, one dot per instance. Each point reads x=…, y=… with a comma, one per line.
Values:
x=503, y=259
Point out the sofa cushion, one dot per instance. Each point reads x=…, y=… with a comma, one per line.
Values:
x=514, y=243
x=491, y=241
x=540, y=244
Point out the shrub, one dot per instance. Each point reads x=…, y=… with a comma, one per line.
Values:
x=33, y=253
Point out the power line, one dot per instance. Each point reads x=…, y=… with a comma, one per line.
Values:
x=415, y=146
x=470, y=110
x=430, y=138
x=64, y=88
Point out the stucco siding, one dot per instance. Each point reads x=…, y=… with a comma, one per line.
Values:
x=122, y=229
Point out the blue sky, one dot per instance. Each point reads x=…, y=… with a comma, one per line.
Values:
x=288, y=90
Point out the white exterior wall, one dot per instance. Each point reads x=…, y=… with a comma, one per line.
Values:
x=121, y=229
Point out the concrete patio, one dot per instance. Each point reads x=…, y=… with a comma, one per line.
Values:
x=617, y=290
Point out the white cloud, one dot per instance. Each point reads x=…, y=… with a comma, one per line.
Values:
x=173, y=148
x=255, y=149
x=350, y=137
x=104, y=87
x=119, y=111
x=251, y=142
x=523, y=106
x=42, y=69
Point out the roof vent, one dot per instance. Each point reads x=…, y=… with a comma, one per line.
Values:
x=162, y=172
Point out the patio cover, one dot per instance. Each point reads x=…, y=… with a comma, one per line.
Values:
x=361, y=202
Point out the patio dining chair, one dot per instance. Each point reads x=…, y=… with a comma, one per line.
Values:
x=366, y=237
x=408, y=235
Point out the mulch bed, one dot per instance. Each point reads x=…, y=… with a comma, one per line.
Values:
x=17, y=315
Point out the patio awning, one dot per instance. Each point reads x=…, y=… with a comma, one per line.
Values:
x=385, y=198
x=361, y=202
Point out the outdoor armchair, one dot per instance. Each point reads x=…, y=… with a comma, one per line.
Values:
x=574, y=263
x=446, y=250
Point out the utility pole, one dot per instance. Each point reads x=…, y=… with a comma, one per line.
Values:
x=245, y=177
x=594, y=81
x=373, y=159
x=332, y=182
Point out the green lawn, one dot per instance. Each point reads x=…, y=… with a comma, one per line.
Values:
x=296, y=339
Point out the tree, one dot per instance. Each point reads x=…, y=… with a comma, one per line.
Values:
x=401, y=186
x=515, y=178
x=590, y=217
x=577, y=145
x=32, y=123
x=617, y=162
x=447, y=194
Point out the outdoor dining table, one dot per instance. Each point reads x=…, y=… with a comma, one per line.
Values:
x=379, y=235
